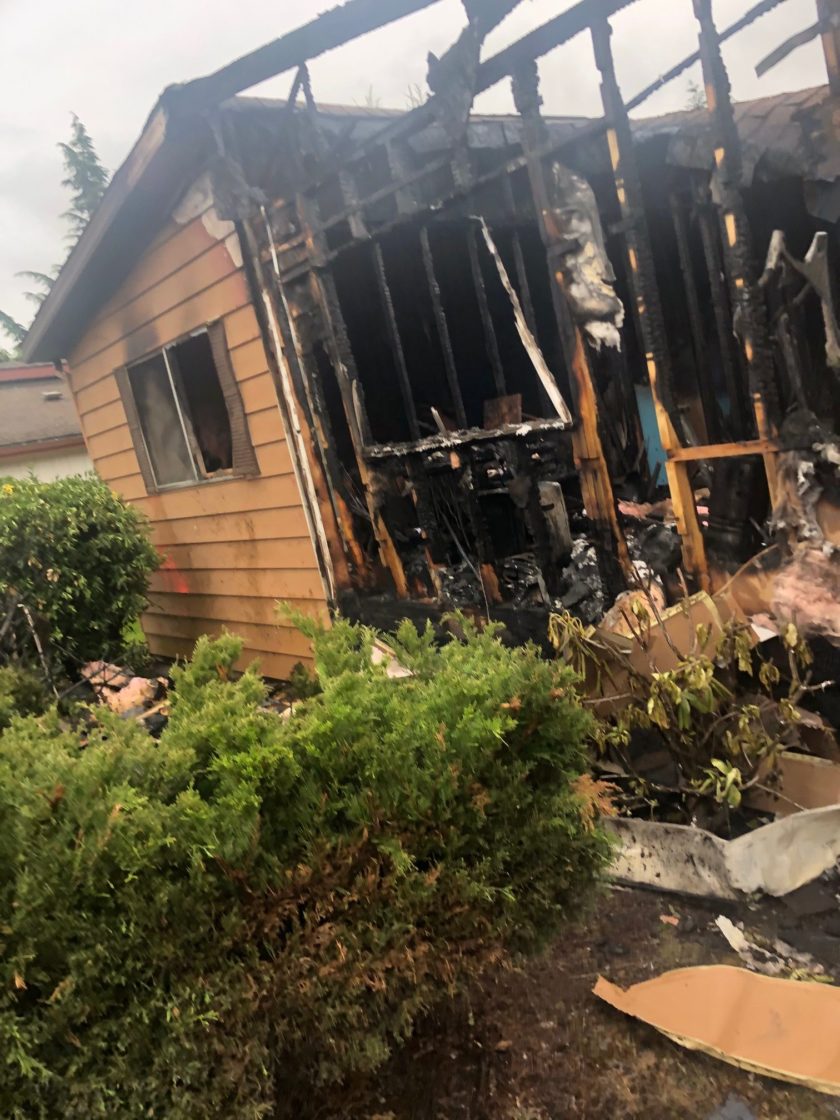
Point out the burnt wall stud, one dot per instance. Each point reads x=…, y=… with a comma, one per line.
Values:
x=750, y=317
x=705, y=389
x=648, y=304
x=829, y=14
x=519, y=265
x=710, y=239
x=322, y=287
x=395, y=340
x=596, y=485
x=442, y=329
x=490, y=341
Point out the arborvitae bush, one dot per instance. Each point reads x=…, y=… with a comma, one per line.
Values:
x=22, y=692
x=77, y=557
x=196, y=926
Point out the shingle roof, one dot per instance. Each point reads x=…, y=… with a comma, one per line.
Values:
x=786, y=133
x=30, y=410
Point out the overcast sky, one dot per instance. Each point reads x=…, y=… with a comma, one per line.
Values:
x=108, y=60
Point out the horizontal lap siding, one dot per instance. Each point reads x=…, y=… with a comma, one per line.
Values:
x=230, y=549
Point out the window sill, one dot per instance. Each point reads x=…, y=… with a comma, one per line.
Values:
x=193, y=483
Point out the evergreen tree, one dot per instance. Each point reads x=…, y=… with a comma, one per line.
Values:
x=15, y=330
x=43, y=281
x=85, y=178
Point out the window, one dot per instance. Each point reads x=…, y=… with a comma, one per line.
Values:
x=185, y=413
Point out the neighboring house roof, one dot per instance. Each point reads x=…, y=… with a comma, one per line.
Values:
x=782, y=131
x=36, y=410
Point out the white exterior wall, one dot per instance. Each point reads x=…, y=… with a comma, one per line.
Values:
x=47, y=466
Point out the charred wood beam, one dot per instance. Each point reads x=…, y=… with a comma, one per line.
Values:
x=325, y=528
x=344, y=368
x=395, y=341
x=544, y=39
x=750, y=317
x=451, y=441
x=536, y=43
x=648, y=302
x=788, y=47
x=304, y=386
x=746, y=19
x=308, y=450
x=452, y=78
x=710, y=238
x=442, y=326
x=324, y=294
x=695, y=317
x=332, y=29
x=829, y=13
x=522, y=282
x=724, y=450
x=595, y=482
x=491, y=343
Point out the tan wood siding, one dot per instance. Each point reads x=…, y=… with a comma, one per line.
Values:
x=230, y=548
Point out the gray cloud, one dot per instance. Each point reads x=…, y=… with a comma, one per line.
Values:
x=108, y=62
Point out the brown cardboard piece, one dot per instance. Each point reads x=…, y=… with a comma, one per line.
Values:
x=817, y=736
x=659, y=645
x=787, y=1029
x=803, y=783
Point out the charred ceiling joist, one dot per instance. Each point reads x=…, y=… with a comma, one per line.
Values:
x=449, y=293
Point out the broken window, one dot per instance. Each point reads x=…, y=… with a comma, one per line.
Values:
x=185, y=413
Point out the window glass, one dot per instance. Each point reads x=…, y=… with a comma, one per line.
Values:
x=203, y=401
x=162, y=430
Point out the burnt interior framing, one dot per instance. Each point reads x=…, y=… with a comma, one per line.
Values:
x=445, y=458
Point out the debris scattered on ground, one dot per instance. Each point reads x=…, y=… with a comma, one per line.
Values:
x=781, y=960
x=101, y=674
x=383, y=654
x=132, y=698
x=733, y=1109
x=787, y=1029
x=143, y=698
x=623, y=615
x=582, y=591
x=818, y=897
x=774, y=859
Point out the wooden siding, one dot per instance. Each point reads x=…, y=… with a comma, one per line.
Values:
x=231, y=548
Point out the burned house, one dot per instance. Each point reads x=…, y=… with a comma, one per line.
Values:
x=399, y=362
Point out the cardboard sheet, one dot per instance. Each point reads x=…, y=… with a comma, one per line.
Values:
x=804, y=783
x=788, y=1029
x=657, y=646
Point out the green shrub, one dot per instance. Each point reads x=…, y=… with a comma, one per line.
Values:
x=22, y=692
x=192, y=928
x=78, y=557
